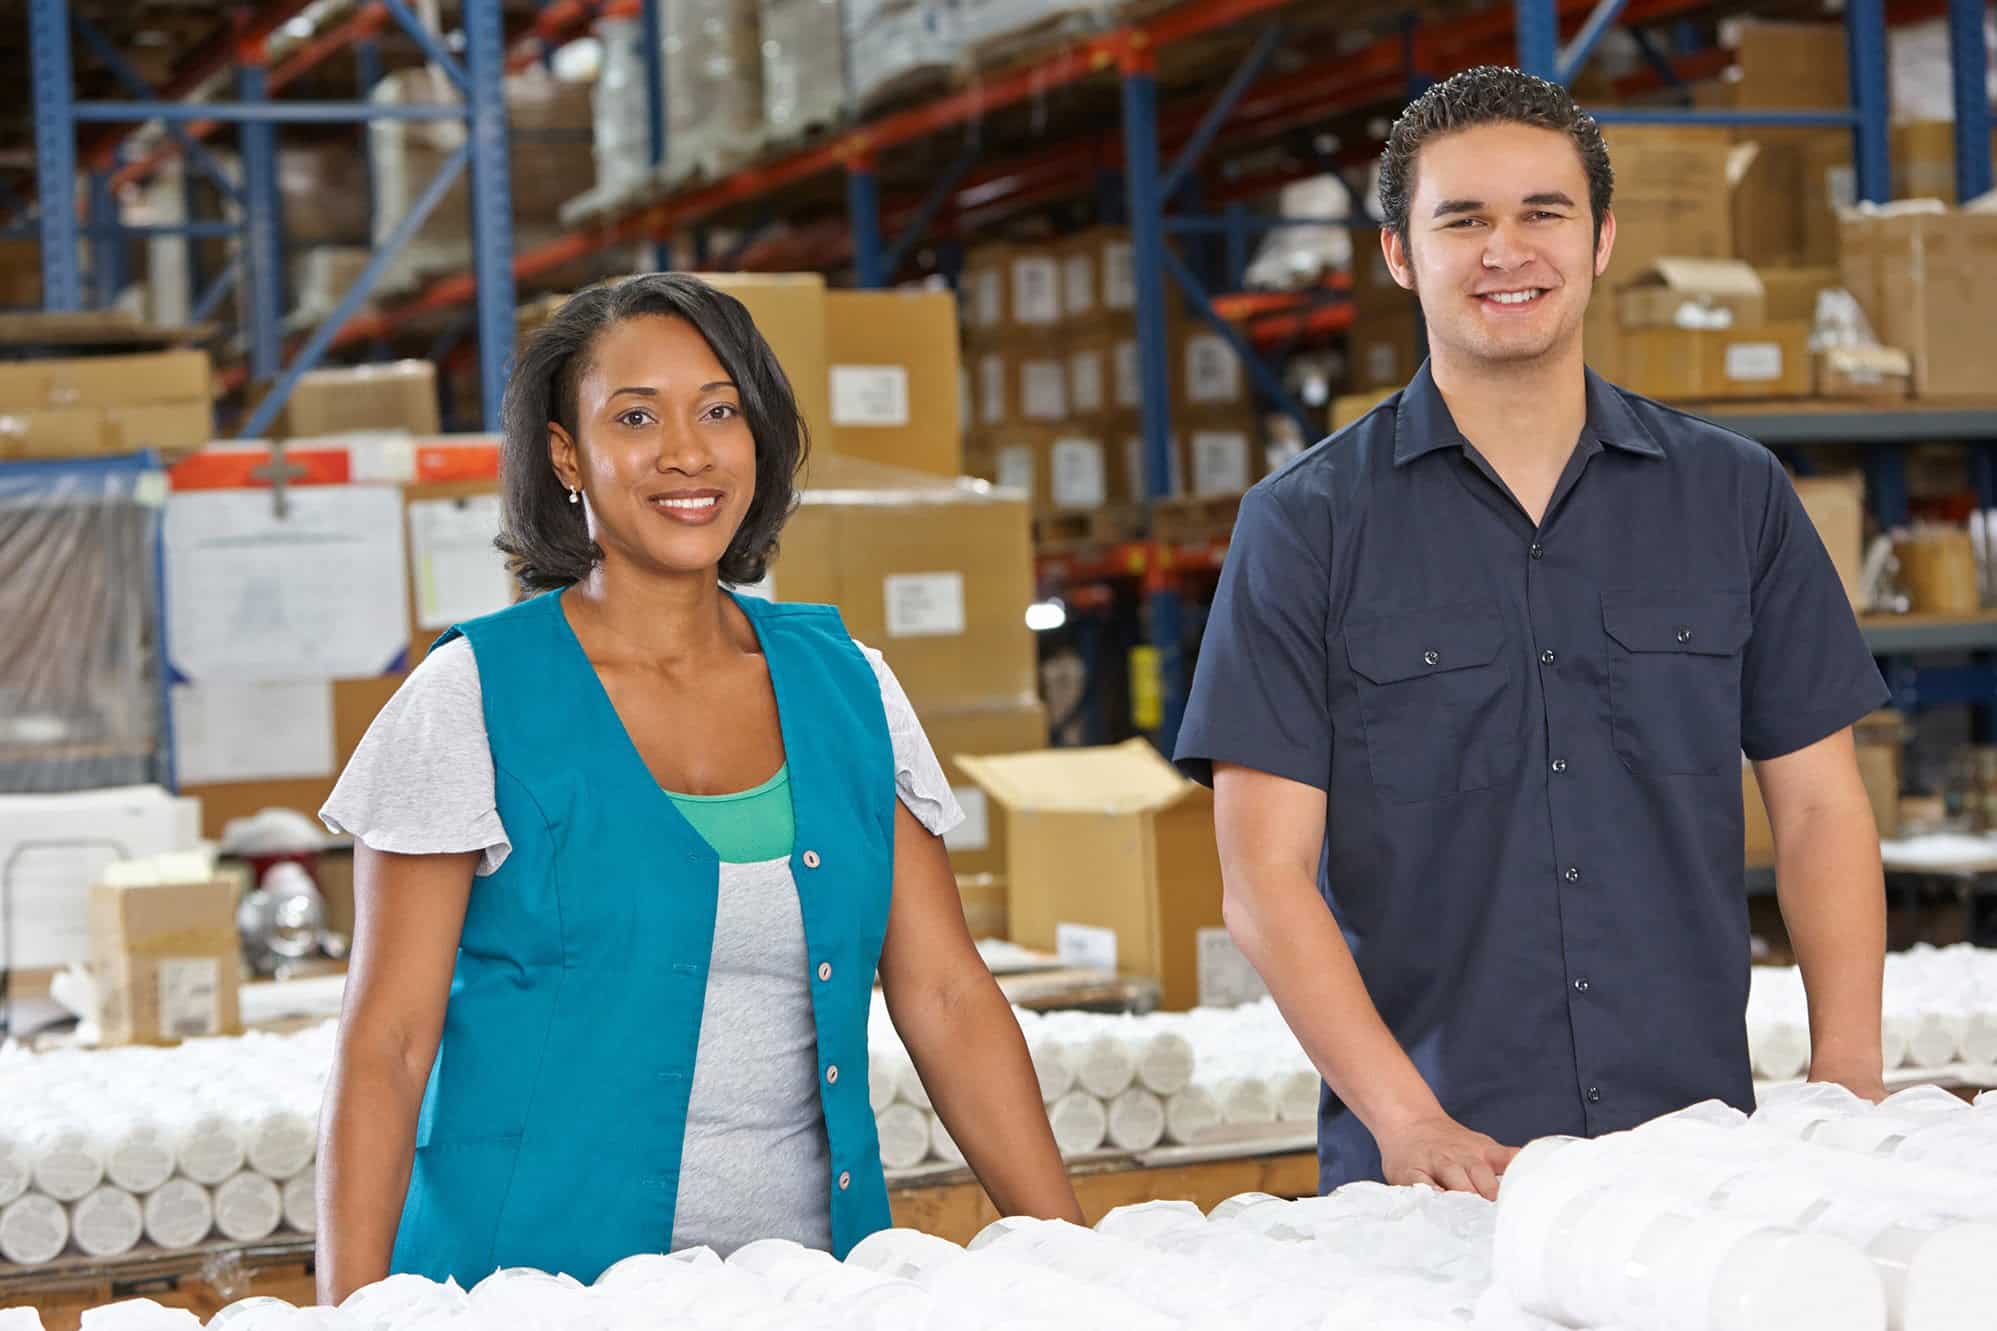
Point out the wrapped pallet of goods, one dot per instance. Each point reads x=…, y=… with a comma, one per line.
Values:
x=804, y=68
x=714, y=88
x=896, y=49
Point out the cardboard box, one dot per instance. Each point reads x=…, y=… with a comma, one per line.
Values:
x=1003, y=725
x=1021, y=460
x=1011, y=291
x=397, y=395
x=100, y=431
x=893, y=387
x=1873, y=373
x=1112, y=851
x=1374, y=290
x=1923, y=156
x=1836, y=505
x=1098, y=278
x=984, y=898
x=1222, y=450
x=1684, y=364
x=1765, y=182
x=1383, y=352
x=160, y=425
x=1928, y=282
x=1092, y=385
x=935, y=573
x=1783, y=65
x=1657, y=296
x=789, y=310
x=168, y=960
x=1020, y=386
x=105, y=381
x=1829, y=184
x=20, y=274
x=1672, y=196
x=1080, y=471
x=1938, y=570
x=1349, y=407
x=1790, y=294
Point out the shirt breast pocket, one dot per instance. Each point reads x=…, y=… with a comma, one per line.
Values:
x=1675, y=678
x=1434, y=695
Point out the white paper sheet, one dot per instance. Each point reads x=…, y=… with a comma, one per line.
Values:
x=318, y=594
x=53, y=847
x=458, y=573
x=270, y=731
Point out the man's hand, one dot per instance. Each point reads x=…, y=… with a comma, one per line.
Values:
x=1444, y=1154
x=1865, y=1083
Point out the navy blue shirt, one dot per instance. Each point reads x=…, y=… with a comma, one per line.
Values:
x=1530, y=740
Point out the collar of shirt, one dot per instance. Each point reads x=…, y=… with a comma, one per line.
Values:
x=1422, y=423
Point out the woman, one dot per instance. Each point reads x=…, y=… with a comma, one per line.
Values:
x=628, y=854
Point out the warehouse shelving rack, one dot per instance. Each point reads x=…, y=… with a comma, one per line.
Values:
x=1551, y=37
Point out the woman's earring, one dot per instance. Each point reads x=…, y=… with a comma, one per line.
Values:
x=575, y=496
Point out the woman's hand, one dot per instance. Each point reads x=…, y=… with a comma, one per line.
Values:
x=962, y=1036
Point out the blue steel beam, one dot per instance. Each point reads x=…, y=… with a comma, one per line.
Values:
x=260, y=112
x=263, y=221
x=1220, y=109
x=121, y=70
x=433, y=49
x=1147, y=243
x=1970, y=66
x=212, y=296
x=1538, y=26
x=1865, y=50
x=492, y=203
x=107, y=247
x=863, y=218
x=1575, y=54
x=1265, y=378
x=384, y=255
x=932, y=204
x=55, y=152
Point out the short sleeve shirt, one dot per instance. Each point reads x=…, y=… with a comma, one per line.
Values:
x=1530, y=739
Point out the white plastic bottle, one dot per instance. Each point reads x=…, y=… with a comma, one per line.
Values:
x=68, y=1161
x=107, y=1223
x=34, y=1229
x=248, y=1207
x=179, y=1214
x=141, y=1155
x=210, y=1150
x=1080, y=1123
x=281, y=1143
x=301, y=1210
x=1136, y=1120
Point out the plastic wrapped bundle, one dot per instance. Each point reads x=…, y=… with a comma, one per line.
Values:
x=714, y=87
x=1080, y=1123
x=804, y=67
x=618, y=101
x=33, y=1229
x=1191, y=1115
x=895, y=48
x=179, y=1214
x=1136, y=1120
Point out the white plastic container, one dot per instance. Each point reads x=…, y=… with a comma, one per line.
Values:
x=179, y=1214
x=34, y=1229
x=107, y=1223
x=248, y=1207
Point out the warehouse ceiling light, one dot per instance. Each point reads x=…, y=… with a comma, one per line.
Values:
x=1046, y=616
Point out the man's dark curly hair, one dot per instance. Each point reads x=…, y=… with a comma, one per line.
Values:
x=1488, y=95
x=544, y=536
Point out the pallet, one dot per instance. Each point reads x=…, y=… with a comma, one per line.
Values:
x=203, y=1279
x=1066, y=528
x=1185, y=521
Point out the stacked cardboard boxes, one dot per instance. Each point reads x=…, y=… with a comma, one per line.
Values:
x=1927, y=280
x=936, y=574
x=1385, y=344
x=398, y=396
x=89, y=406
x=1697, y=330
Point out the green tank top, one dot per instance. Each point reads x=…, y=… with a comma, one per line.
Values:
x=748, y=826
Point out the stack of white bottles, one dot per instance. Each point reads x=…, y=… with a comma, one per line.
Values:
x=1939, y=1009
x=102, y=1152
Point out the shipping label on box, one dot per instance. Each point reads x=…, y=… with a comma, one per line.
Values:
x=1226, y=977
x=1754, y=362
x=1016, y=469
x=1213, y=372
x=1078, y=284
x=190, y=997
x=1090, y=947
x=1085, y=381
x=1079, y=477
x=870, y=395
x=1129, y=385
x=1220, y=462
x=924, y=605
x=1036, y=291
x=991, y=389
x=987, y=298
x=1043, y=389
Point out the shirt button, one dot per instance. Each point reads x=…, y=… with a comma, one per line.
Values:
x=1581, y=985
x=1573, y=875
x=832, y=1075
x=1546, y=657
x=845, y=1180
x=1594, y=1095
x=1684, y=633
x=811, y=860
x=1537, y=551
x=1559, y=764
x=1431, y=658
x=824, y=970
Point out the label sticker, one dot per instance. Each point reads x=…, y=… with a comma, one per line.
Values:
x=1754, y=362
x=1036, y=291
x=1220, y=462
x=1078, y=284
x=1079, y=480
x=190, y=997
x=991, y=389
x=870, y=395
x=1086, y=946
x=1085, y=382
x=924, y=605
x=1226, y=978
x=1044, y=390
x=1015, y=468
x=975, y=832
x=1213, y=374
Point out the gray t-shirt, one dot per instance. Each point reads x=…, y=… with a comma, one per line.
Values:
x=755, y=1163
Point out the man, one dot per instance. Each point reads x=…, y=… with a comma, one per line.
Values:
x=1480, y=671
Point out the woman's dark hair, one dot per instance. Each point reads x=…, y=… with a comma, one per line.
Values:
x=1489, y=95
x=545, y=536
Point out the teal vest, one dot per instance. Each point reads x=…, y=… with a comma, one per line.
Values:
x=552, y=1126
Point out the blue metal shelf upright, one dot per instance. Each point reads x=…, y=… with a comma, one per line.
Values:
x=478, y=79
